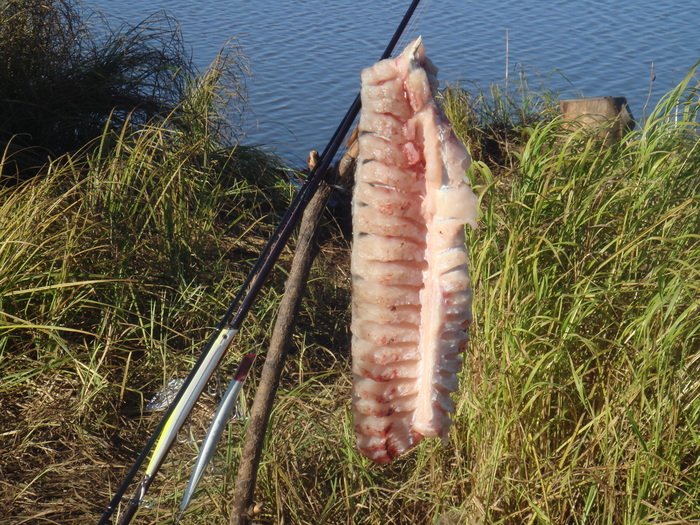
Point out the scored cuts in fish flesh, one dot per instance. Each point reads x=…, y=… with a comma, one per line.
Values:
x=411, y=304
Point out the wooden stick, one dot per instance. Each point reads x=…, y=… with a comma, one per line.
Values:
x=243, y=507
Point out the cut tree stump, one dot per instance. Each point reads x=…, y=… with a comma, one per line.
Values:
x=611, y=115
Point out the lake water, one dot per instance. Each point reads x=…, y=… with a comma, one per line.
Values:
x=306, y=55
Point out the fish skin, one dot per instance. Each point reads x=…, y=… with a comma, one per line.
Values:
x=411, y=288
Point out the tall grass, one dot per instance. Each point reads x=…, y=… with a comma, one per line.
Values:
x=64, y=77
x=114, y=266
x=581, y=399
x=491, y=122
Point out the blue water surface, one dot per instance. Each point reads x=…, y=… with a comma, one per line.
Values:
x=305, y=55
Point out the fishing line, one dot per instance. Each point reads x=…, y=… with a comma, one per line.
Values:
x=412, y=29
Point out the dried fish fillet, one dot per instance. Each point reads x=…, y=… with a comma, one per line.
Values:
x=411, y=288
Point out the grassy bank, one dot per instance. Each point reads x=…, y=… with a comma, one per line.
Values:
x=580, y=398
x=114, y=270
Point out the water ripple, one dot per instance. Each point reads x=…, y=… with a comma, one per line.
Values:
x=306, y=55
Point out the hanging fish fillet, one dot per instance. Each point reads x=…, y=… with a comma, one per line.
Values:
x=411, y=302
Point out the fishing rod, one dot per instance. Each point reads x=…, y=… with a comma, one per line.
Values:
x=221, y=339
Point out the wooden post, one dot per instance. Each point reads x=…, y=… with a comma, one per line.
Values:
x=243, y=508
x=611, y=115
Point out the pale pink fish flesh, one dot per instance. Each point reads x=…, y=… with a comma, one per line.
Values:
x=411, y=289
